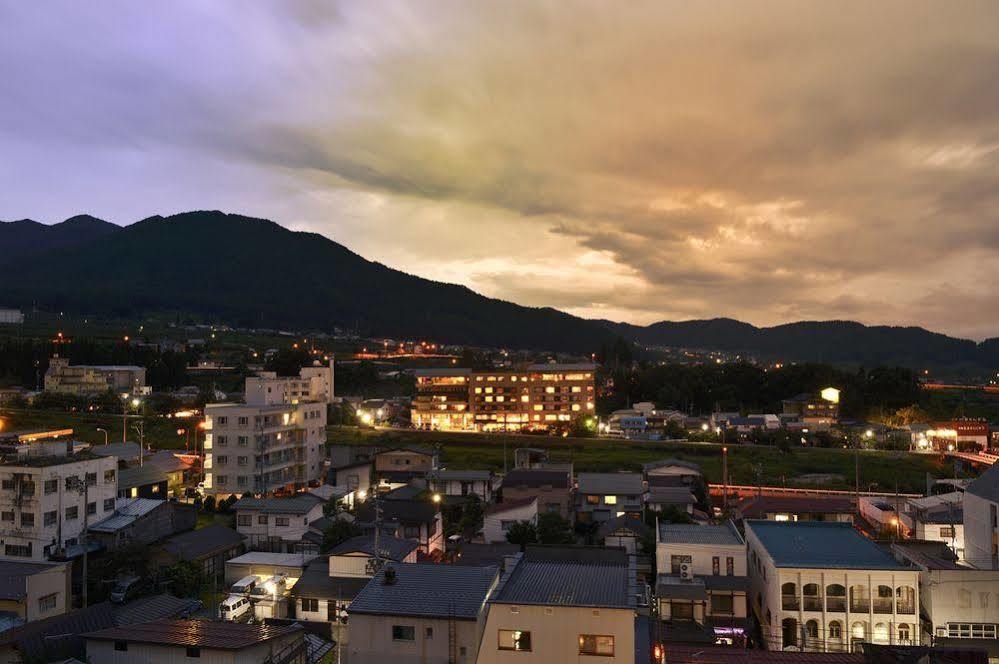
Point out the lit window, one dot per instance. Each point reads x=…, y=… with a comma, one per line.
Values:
x=610, y=500
x=575, y=406
x=549, y=390
x=514, y=639
x=593, y=644
x=524, y=398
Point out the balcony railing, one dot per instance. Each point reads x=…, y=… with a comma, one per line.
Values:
x=789, y=602
x=860, y=606
x=812, y=603
x=906, y=607
x=883, y=605
x=836, y=604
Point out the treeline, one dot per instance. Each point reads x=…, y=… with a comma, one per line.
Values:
x=874, y=393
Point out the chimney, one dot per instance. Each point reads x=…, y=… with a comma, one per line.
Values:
x=388, y=578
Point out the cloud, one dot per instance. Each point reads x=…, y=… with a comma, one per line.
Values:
x=656, y=160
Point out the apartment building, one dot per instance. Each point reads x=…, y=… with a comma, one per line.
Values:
x=824, y=587
x=270, y=443
x=981, y=520
x=46, y=495
x=277, y=524
x=817, y=409
x=537, y=397
x=702, y=585
x=83, y=380
x=313, y=383
x=562, y=605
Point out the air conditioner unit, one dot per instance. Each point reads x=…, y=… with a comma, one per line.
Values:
x=686, y=571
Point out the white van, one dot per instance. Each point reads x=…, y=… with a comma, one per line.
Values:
x=244, y=586
x=234, y=607
x=270, y=587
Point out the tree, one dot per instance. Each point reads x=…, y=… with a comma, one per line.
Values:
x=553, y=529
x=471, y=517
x=339, y=531
x=522, y=533
x=185, y=578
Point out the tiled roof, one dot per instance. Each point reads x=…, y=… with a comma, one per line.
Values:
x=154, y=607
x=670, y=495
x=32, y=639
x=758, y=507
x=611, y=483
x=567, y=577
x=820, y=544
x=626, y=522
x=301, y=503
x=482, y=555
x=403, y=511
x=392, y=548
x=536, y=478
x=140, y=476
x=205, y=541
x=198, y=633
x=427, y=590
x=508, y=505
x=316, y=582
x=685, y=533
x=124, y=451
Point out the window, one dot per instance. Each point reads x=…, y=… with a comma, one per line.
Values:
x=730, y=566
x=812, y=629
x=50, y=518
x=242, y=420
x=51, y=486
x=715, y=565
x=222, y=421
x=108, y=504
x=7, y=485
x=403, y=633
x=92, y=508
x=310, y=604
x=281, y=521
x=121, y=646
x=108, y=478
x=514, y=639
x=222, y=479
x=429, y=633
x=18, y=550
x=722, y=604
x=7, y=516
x=221, y=441
x=241, y=460
x=242, y=441
x=72, y=513
x=47, y=602
x=610, y=500
x=947, y=531
x=592, y=500
x=222, y=459
x=903, y=633
x=835, y=630
x=244, y=520
x=594, y=644
x=90, y=479
x=28, y=488
x=681, y=610
x=193, y=651
x=262, y=519
x=27, y=520
x=71, y=482
x=241, y=480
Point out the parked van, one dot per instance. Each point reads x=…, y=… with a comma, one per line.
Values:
x=269, y=587
x=245, y=585
x=125, y=588
x=234, y=607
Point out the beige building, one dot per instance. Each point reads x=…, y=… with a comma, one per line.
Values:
x=824, y=587
x=34, y=591
x=312, y=384
x=83, y=380
x=172, y=641
x=537, y=397
x=562, y=605
x=420, y=614
x=277, y=524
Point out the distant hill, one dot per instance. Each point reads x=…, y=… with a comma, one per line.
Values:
x=253, y=272
x=26, y=238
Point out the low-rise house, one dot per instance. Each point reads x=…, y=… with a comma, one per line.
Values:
x=624, y=531
x=356, y=556
x=143, y=482
x=672, y=472
x=552, y=488
x=264, y=564
x=319, y=597
x=936, y=518
x=955, y=600
x=824, y=587
x=562, y=605
x=416, y=520
x=457, y=485
x=142, y=520
x=880, y=513
x=796, y=508
x=663, y=498
x=420, y=613
x=354, y=477
x=209, y=547
x=404, y=464
x=702, y=584
x=168, y=641
x=34, y=591
x=498, y=519
x=277, y=524
x=603, y=496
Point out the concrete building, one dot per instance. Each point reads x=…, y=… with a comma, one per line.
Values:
x=277, y=524
x=313, y=384
x=47, y=494
x=84, y=380
x=824, y=587
x=171, y=641
x=143, y=521
x=34, y=591
x=262, y=448
x=603, y=496
x=499, y=518
x=938, y=518
x=420, y=613
x=821, y=409
x=981, y=520
x=702, y=584
x=562, y=605
x=552, y=488
x=536, y=397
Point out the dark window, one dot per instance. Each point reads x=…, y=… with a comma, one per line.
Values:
x=715, y=565
x=722, y=604
x=730, y=566
x=403, y=633
x=194, y=652
x=121, y=646
x=681, y=610
x=310, y=604
x=429, y=633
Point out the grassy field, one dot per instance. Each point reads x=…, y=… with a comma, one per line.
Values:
x=883, y=471
x=160, y=433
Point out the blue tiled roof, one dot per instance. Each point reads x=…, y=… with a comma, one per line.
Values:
x=820, y=544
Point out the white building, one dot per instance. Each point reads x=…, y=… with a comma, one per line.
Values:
x=936, y=519
x=277, y=524
x=81, y=380
x=499, y=518
x=823, y=587
x=312, y=384
x=11, y=317
x=46, y=495
x=981, y=520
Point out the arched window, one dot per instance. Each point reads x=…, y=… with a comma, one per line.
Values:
x=860, y=601
x=789, y=631
x=904, y=635
x=812, y=629
x=835, y=598
x=881, y=632
x=858, y=630
x=905, y=599
x=812, y=599
x=835, y=630
x=789, y=597
x=883, y=600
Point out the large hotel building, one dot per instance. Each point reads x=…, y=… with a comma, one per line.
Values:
x=540, y=396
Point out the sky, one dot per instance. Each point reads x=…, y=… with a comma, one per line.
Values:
x=638, y=161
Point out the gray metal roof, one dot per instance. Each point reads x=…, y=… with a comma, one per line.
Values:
x=195, y=544
x=430, y=591
x=986, y=485
x=461, y=475
x=316, y=582
x=127, y=510
x=154, y=607
x=566, y=577
x=820, y=544
x=124, y=451
x=611, y=483
x=140, y=476
x=670, y=495
x=299, y=504
x=685, y=533
x=623, y=522
x=664, y=463
x=392, y=548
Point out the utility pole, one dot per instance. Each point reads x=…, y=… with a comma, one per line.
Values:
x=83, y=538
x=725, y=478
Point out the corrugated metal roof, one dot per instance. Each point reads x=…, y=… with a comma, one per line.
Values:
x=569, y=576
x=392, y=548
x=611, y=483
x=685, y=533
x=316, y=582
x=154, y=607
x=197, y=633
x=198, y=543
x=427, y=590
x=127, y=510
x=299, y=504
x=820, y=544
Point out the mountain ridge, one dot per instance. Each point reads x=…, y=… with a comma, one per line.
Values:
x=253, y=271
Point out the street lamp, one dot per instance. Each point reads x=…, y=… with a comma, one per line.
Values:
x=105, y=432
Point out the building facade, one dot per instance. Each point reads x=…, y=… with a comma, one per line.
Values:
x=83, y=380
x=312, y=384
x=538, y=397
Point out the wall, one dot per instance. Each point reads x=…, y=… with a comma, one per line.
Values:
x=103, y=652
x=492, y=524
x=979, y=531
x=546, y=496
x=371, y=641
